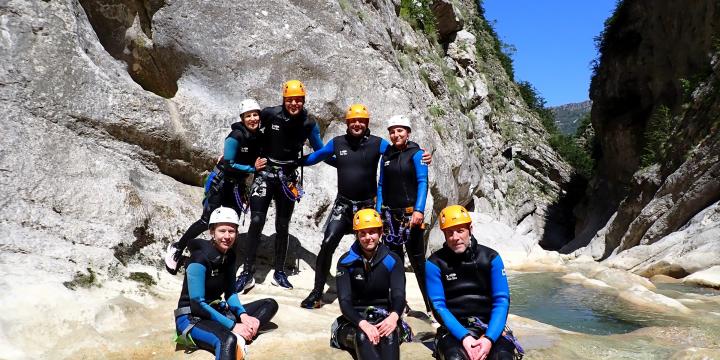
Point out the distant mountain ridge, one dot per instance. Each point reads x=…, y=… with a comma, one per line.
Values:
x=567, y=117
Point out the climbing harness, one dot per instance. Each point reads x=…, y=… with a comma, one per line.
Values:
x=507, y=334
x=402, y=235
x=371, y=312
x=242, y=201
x=291, y=188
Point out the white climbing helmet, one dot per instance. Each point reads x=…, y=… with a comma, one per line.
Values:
x=224, y=215
x=248, y=105
x=399, y=120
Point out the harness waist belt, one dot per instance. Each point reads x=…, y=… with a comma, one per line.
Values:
x=185, y=310
x=356, y=203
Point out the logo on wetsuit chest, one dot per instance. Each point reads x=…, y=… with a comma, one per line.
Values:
x=387, y=163
x=244, y=149
x=359, y=277
x=214, y=272
x=275, y=127
x=451, y=277
x=343, y=152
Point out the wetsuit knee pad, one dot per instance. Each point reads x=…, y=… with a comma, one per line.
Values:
x=257, y=217
x=228, y=346
x=282, y=225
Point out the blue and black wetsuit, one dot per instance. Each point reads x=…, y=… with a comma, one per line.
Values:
x=361, y=283
x=283, y=139
x=209, y=277
x=356, y=160
x=402, y=189
x=464, y=288
x=227, y=187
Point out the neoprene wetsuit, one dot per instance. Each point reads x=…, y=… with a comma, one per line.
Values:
x=402, y=189
x=466, y=286
x=283, y=139
x=378, y=282
x=356, y=163
x=209, y=277
x=227, y=187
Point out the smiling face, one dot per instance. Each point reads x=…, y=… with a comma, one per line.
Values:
x=369, y=239
x=458, y=237
x=399, y=136
x=294, y=104
x=357, y=127
x=251, y=119
x=223, y=236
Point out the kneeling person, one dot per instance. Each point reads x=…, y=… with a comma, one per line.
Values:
x=469, y=293
x=371, y=293
x=202, y=319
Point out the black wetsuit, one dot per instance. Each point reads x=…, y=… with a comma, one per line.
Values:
x=356, y=163
x=380, y=283
x=283, y=139
x=462, y=288
x=209, y=277
x=402, y=189
x=227, y=187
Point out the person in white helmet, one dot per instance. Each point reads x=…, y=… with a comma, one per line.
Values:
x=401, y=194
x=209, y=314
x=226, y=185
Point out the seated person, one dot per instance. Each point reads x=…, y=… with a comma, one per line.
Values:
x=371, y=293
x=469, y=294
x=202, y=319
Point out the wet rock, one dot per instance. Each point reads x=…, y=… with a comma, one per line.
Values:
x=708, y=277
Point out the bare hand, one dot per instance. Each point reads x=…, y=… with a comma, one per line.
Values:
x=485, y=345
x=251, y=322
x=387, y=326
x=371, y=332
x=470, y=344
x=417, y=218
x=243, y=330
x=426, y=157
x=260, y=163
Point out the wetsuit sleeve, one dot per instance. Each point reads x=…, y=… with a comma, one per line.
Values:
x=229, y=152
x=344, y=290
x=397, y=288
x=196, y=290
x=421, y=174
x=321, y=154
x=436, y=293
x=235, y=305
x=316, y=143
x=500, y=298
x=383, y=146
x=379, y=200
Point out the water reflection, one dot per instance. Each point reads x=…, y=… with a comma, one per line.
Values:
x=546, y=298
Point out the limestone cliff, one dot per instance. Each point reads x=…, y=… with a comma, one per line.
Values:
x=655, y=113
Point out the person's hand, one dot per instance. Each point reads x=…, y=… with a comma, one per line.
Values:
x=387, y=326
x=371, y=331
x=251, y=322
x=260, y=163
x=426, y=157
x=484, y=345
x=417, y=219
x=470, y=344
x=243, y=330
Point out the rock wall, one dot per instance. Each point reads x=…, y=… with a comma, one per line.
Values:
x=655, y=56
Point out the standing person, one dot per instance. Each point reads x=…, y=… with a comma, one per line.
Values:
x=285, y=129
x=203, y=318
x=356, y=154
x=227, y=187
x=469, y=292
x=371, y=293
x=401, y=194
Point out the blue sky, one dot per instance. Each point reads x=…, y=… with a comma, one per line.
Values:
x=553, y=41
